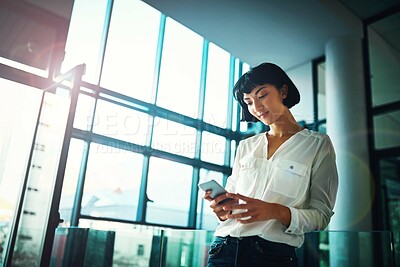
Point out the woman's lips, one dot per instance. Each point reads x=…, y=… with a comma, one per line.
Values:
x=263, y=115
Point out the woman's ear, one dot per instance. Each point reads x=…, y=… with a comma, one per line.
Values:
x=284, y=91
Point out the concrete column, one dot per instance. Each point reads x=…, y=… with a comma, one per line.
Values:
x=347, y=127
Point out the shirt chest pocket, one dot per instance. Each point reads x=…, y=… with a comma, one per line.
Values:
x=248, y=175
x=290, y=179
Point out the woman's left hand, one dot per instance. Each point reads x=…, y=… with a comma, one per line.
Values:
x=257, y=210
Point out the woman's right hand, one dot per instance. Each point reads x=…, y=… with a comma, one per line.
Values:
x=217, y=204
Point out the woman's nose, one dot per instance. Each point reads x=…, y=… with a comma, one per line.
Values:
x=258, y=106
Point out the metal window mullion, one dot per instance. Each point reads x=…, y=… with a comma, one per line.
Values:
x=228, y=152
x=315, y=89
x=76, y=208
x=202, y=96
x=104, y=38
x=157, y=65
x=199, y=133
x=143, y=198
x=54, y=215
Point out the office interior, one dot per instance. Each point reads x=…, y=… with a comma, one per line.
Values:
x=112, y=111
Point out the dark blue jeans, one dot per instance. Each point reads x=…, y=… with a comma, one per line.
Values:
x=250, y=251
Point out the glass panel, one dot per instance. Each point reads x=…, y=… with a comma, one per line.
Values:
x=187, y=248
x=174, y=137
x=243, y=125
x=302, y=78
x=346, y=248
x=385, y=67
x=135, y=245
x=321, y=96
x=19, y=107
x=180, y=70
x=236, y=115
x=69, y=247
x=84, y=112
x=85, y=37
x=213, y=148
x=42, y=173
x=169, y=205
x=116, y=245
x=394, y=217
x=206, y=218
x=112, y=183
x=233, y=151
x=134, y=248
x=245, y=68
x=357, y=248
x=236, y=107
x=387, y=130
x=216, y=99
x=131, y=50
x=121, y=123
x=71, y=180
x=99, y=248
x=390, y=184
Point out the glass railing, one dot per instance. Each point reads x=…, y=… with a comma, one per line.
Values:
x=173, y=248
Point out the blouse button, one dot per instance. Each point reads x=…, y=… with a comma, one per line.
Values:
x=291, y=167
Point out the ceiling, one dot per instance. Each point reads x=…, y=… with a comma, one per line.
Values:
x=286, y=32
x=365, y=9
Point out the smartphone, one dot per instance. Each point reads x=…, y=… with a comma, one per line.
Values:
x=213, y=185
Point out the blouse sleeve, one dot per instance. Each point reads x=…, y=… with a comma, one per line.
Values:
x=323, y=189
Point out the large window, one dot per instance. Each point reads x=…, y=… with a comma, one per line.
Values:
x=85, y=36
x=154, y=118
x=174, y=137
x=169, y=189
x=112, y=183
x=384, y=69
x=131, y=50
x=121, y=123
x=180, y=70
x=217, y=85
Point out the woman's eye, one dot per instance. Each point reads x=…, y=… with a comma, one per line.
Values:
x=262, y=96
x=249, y=103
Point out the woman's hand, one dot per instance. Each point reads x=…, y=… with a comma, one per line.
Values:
x=256, y=210
x=217, y=204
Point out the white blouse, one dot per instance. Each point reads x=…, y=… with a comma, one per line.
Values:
x=301, y=175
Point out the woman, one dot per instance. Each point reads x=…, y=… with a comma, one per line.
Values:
x=283, y=181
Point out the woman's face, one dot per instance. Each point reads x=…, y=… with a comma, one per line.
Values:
x=265, y=102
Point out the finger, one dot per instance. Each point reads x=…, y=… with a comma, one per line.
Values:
x=221, y=198
x=215, y=206
x=235, y=206
x=238, y=196
x=208, y=198
x=245, y=221
x=239, y=215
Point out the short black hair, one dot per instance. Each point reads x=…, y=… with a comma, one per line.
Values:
x=265, y=73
